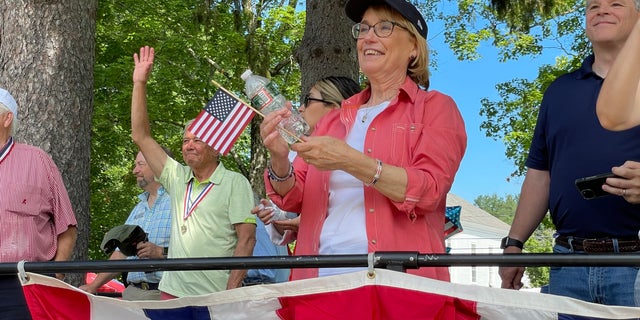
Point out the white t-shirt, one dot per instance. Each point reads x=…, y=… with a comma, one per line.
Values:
x=344, y=231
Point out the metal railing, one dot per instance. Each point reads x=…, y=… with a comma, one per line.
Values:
x=399, y=261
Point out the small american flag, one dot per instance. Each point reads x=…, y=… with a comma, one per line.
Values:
x=221, y=121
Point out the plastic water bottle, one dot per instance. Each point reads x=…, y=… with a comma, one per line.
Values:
x=266, y=97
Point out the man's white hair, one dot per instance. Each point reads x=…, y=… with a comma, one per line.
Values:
x=14, y=123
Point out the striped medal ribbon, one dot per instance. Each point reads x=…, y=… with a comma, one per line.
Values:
x=190, y=206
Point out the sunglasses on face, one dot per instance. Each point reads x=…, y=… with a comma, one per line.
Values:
x=307, y=98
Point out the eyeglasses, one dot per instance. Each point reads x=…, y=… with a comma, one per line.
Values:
x=307, y=98
x=382, y=29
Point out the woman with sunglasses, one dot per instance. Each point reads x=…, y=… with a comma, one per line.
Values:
x=375, y=173
x=325, y=95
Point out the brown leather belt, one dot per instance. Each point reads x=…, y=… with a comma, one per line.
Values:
x=600, y=245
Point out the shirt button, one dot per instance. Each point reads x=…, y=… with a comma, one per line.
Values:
x=371, y=210
x=373, y=241
x=373, y=128
x=369, y=150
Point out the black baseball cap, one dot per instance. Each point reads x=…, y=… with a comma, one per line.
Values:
x=355, y=10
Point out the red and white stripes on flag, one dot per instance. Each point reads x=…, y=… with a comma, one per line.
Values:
x=221, y=121
x=387, y=295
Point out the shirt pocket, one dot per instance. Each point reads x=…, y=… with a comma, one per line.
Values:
x=405, y=137
x=26, y=200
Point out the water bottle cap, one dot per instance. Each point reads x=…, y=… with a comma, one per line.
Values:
x=245, y=75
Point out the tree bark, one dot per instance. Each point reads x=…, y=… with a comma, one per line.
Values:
x=46, y=61
x=327, y=48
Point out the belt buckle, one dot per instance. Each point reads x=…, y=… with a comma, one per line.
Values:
x=597, y=245
x=144, y=286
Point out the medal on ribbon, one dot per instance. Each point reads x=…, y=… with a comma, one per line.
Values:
x=190, y=206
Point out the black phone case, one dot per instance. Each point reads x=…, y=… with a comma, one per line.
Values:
x=591, y=187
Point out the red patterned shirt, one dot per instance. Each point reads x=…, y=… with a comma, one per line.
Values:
x=34, y=204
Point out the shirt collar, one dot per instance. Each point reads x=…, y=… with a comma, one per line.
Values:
x=408, y=91
x=4, y=151
x=145, y=195
x=586, y=69
x=215, y=177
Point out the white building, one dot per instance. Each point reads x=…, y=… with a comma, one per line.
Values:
x=481, y=234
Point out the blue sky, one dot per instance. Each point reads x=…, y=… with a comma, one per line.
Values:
x=485, y=168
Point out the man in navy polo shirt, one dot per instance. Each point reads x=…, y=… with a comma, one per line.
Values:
x=569, y=143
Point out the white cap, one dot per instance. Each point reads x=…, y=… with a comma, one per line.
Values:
x=8, y=101
x=246, y=75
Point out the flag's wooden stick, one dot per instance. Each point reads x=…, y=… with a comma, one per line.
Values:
x=254, y=109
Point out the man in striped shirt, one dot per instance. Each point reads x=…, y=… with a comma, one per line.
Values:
x=37, y=222
x=153, y=215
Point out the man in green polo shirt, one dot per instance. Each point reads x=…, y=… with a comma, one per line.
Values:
x=211, y=205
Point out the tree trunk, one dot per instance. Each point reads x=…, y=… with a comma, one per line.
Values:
x=327, y=48
x=46, y=62
x=259, y=63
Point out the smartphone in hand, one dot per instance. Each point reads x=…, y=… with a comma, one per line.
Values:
x=591, y=187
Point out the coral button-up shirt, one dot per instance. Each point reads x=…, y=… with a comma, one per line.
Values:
x=420, y=131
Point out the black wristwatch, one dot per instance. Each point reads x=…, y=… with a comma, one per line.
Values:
x=165, y=251
x=511, y=242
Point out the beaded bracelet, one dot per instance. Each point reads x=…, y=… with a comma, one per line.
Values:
x=274, y=177
x=377, y=175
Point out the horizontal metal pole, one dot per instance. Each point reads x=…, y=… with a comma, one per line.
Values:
x=532, y=260
x=391, y=260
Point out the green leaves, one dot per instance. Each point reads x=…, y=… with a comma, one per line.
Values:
x=518, y=29
x=504, y=208
x=200, y=41
x=195, y=42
